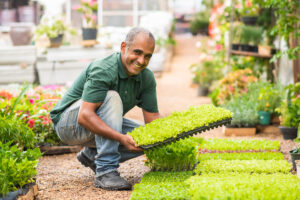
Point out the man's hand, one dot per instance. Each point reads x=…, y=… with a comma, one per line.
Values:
x=129, y=143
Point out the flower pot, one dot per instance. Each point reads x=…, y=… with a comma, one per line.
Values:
x=249, y=20
x=202, y=91
x=253, y=48
x=245, y=47
x=20, y=34
x=235, y=47
x=26, y=14
x=289, y=133
x=294, y=156
x=57, y=41
x=8, y=16
x=89, y=33
x=264, y=117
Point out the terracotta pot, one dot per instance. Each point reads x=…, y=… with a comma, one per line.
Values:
x=20, y=33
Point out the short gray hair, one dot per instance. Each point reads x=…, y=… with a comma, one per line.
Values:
x=130, y=37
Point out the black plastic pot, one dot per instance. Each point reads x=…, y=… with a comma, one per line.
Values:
x=235, y=47
x=57, y=41
x=245, y=47
x=249, y=20
x=202, y=91
x=253, y=49
x=294, y=156
x=289, y=133
x=89, y=33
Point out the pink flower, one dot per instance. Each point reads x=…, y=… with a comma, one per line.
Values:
x=76, y=7
x=238, y=6
x=219, y=47
x=248, y=3
x=31, y=101
x=92, y=3
x=94, y=17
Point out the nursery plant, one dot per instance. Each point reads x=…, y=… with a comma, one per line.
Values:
x=224, y=186
x=184, y=122
x=17, y=167
x=177, y=156
x=227, y=145
x=243, y=166
x=240, y=156
x=162, y=185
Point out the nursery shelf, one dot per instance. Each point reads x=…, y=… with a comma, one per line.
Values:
x=246, y=53
x=189, y=133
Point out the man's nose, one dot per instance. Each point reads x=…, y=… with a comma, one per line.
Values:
x=141, y=60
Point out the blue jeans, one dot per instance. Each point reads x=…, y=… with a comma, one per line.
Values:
x=106, y=153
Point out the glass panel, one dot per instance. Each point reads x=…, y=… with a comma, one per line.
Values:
x=117, y=5
x=153, y=5
x=118, y=20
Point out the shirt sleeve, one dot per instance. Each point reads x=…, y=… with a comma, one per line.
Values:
x=148, y=95
x=96, y=87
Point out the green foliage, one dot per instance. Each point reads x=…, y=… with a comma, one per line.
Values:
x=237, y=144
x=162, y=186
x=52, y=27
x=17, y=168
x=206, y=72
x=178, y=156
x=287, y=18
x=251, y=35
x=243, y=166
x=290, y=107
x=296, y=150
x=241, y=156
x=17, y=132
x=234, y=186
x=200, y=23
x=165, y=42
x=178, y=122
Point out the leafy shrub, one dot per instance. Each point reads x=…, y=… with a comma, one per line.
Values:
x=17, y=132
x=178, y=122
x=247, y=166
x=224, y=186
x=178, y=156
x=241, y=156
x=17, y=167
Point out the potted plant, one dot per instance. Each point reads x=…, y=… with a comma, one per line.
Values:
x=295, y=155
x=205, y=73
x=245, y=115
x=54, y=29
x=200, y=24
x=289, y=112
x=236, y=36
x=249, y=12
x=269, y=99
x=88, y=9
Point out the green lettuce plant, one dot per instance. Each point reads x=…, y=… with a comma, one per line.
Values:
x=178, y=156
x=162, y=186
x=178, y=122
x=234, y=186
x=241, y=156
x=243, y=166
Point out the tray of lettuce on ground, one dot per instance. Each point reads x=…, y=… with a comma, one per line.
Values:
x=180, y=125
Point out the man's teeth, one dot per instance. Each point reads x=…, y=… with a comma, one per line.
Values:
x=137, y=66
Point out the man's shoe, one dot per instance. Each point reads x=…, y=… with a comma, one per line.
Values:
x=84, y=160
x=111, y=181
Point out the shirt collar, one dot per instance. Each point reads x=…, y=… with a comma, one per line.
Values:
x=122, y=72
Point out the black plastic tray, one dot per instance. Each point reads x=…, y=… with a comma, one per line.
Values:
x=188, y=134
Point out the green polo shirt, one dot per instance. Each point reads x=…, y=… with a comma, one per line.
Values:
x=109, y=74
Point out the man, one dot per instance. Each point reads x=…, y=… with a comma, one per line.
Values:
x=91, y=112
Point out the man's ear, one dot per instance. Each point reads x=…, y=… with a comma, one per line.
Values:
x=123, y=46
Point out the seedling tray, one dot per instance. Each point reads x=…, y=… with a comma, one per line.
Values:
x=188, y=134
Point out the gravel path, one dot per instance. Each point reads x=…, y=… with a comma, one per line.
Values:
x=63, y=177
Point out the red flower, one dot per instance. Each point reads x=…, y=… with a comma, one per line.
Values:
x=31, y=123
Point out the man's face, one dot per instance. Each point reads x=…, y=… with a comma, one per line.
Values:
x=136, y=56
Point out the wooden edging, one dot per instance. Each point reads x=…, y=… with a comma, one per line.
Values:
x=239, y=131
x=32, y=192
x=55, y=150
